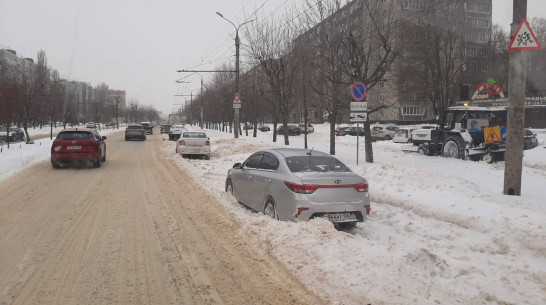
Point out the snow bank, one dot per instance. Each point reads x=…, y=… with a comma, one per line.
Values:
x=440, y=232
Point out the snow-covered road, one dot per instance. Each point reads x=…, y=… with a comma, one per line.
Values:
x=440, y=232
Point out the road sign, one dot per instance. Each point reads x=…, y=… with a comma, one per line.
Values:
x=359, y=106
x=359, y=91
x=237, y=100
x=358, y=117
x=492, y=134
x=524, y=39
x=236, y=106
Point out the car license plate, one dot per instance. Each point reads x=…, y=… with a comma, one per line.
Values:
x=339, y=217
x=73, y=147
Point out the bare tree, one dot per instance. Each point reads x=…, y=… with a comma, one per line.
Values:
x=370, y=49
x=271, y=43
x=442, y=54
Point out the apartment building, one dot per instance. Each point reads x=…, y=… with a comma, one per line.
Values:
x=405, y=89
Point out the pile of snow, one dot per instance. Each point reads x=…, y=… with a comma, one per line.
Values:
x=440, y=231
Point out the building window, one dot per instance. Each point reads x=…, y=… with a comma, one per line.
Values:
x=481, y=37
x=413, y=110
x=474, y=51
x=414, y=5
x=478, y=66
x=478, y=22
x=477, y=8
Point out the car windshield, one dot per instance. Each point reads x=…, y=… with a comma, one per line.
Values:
x=178, y=126
x=298, y=164
x=377, y=128
x=75, y=135
x=200, y=135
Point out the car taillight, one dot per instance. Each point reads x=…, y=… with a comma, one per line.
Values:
x=362, y=187
x=207, y=143
x=181, y=142
x=406, y=135
x=170, y=132
x=367, y=207
x=57, y=148
x=301, y=188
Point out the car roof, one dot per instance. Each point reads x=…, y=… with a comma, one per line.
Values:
x=293, y=152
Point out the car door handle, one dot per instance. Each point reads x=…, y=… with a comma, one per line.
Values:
x=267, y=180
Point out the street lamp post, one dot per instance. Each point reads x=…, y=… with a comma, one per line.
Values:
x=236, y=114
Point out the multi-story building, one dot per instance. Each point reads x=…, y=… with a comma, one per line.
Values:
x=17, y=66
x=405, y=90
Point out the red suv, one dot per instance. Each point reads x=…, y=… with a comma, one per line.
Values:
x=77, y=145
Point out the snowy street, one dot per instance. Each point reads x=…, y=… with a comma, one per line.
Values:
x=440, y=230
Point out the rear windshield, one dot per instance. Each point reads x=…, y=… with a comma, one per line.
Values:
x=75, y=135
x=200, y=135
x=134, y=127
x=300, y=164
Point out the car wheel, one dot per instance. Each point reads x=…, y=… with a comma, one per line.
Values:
x=270, y=210
x=176, y=149
x=454, y=147
x=97, y=163
x=229, y=187
x=126, y=139
x=207, y=157
x=55, y=164
x=104, y=158
x=387, y=138
x=488, y=158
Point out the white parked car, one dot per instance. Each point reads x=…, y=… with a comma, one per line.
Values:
x=193, y=143
x=383, y=132
x=310, y=128
x=176, y=131
x=403, y=135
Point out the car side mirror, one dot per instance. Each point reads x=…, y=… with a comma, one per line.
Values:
x=238, y=165
x=103, y=138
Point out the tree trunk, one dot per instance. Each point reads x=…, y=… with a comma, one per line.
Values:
x=332, y=120
x=368, y=141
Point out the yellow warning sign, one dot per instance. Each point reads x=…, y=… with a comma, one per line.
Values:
x=492, y=134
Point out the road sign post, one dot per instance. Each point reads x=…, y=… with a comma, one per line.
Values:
x=523, y=39
x=358, y=109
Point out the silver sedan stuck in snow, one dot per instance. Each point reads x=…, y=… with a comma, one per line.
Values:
x=299, y=184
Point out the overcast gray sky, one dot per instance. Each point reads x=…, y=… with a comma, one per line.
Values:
x=137, y=45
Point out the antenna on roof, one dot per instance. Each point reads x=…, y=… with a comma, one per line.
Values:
x=309, y=152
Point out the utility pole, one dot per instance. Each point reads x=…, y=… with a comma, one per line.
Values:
x=236, y=114
x=201, y=104
x=517, y=83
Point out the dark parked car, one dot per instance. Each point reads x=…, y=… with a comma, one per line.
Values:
x=135, y=131
x=293, y=130
x=263, y=128
x=341, y=131
x=165, y=128
x=15, y=134
x=529, y=139
x=78, y=145
x=353, y=131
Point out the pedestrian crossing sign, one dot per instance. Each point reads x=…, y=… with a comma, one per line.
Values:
x=492, y=134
